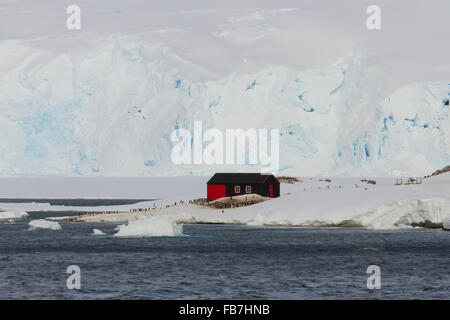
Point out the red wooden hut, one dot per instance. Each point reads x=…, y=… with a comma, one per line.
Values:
x=235, y=184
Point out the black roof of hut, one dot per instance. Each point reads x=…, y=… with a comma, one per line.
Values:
x=225, y=178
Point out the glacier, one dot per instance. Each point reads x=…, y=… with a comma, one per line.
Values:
x=111, y=110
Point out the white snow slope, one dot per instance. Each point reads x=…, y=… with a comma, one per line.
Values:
x=105, y=103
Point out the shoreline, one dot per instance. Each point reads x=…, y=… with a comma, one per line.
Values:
x=125, y=217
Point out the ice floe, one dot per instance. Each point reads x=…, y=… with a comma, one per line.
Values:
x=97, y=232
x=156, y=226
x=446, y=222
x=9, y=215
x=44, y=224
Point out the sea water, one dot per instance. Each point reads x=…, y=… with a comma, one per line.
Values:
x=222, y=262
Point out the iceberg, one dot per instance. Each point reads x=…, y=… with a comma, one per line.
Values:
x=44, y=224
x=446, y=223
x=97, y=232
x=157, y=226
x=8, y=215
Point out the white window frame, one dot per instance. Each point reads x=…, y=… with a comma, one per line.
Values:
x=248, y=189
x=237, y=189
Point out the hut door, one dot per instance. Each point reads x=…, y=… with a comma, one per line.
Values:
x=271, y=191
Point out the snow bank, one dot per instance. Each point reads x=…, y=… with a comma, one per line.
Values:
x=156, y=226
x=404, y=212
x=395, y=215
x=97, y=232
x=392, y=215
x=44, y=224
x=259, y=220
x=446, y=222
x=6, y=215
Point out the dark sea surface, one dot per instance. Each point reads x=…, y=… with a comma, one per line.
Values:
x=222, y=262
x=75, y=202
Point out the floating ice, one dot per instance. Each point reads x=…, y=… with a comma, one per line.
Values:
x=8, y=215
x=404, y=226
x=156, y=226
x=446, y=223
x=44, y=224
x=97, y=232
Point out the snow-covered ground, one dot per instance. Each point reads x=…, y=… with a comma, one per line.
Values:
x=341, y=202
x=313, y=202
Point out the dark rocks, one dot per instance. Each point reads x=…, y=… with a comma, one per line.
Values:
x=200, y=201
x=290, y=180
x=438, y=172
x=427, y=224
x=234, y=202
